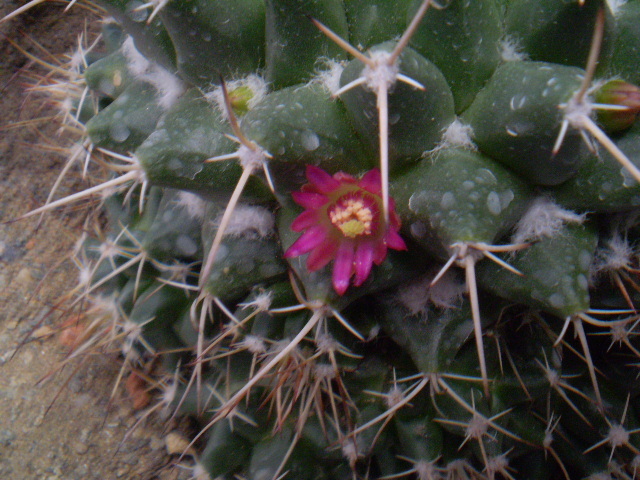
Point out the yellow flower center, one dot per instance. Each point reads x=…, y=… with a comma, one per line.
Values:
x=352, y=217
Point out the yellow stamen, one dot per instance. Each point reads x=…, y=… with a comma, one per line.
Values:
x=352, y=217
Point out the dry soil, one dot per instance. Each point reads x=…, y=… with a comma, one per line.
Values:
x=54, y=424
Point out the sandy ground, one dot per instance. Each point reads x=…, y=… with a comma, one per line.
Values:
x=54, y=425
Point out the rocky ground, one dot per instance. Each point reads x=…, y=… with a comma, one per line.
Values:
x=55, y=423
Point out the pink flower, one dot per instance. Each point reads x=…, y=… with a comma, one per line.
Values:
x=343, y=222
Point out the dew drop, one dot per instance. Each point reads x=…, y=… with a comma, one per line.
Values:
x=493, y=203
x=310, y=141
x=174, y=164
x=628, y=179
x=506, y=198
x=556, y=300
x=416, y=200
x=418, y=229
x=134, y=14
x=583, y=282
x=119, y=132
x=223, y=251
x=107, y=87
x=584, y=259
x=186, y=246
x=448, y=200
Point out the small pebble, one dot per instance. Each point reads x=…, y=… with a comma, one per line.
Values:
x=6, y=437
x=177, y=444
x=80, y=447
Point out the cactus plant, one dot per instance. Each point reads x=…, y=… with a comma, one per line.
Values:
x=365, y=230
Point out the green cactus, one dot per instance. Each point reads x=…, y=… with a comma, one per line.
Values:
x=367, y=229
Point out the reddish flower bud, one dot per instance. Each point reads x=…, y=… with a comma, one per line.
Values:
x=618, y=93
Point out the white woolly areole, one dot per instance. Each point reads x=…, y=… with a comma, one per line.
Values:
x=617, y=436
x=168, y=393
x=329, y=75
x=254, y=344
x=497, y=464
x=106, y=307
x=511, y=50
x=575, y=111
x=255, y=83
x=350, y=450
x=325, y=343
x=85, y=274
x=382, y=73
x=250, y=221
x=192, y=203
x=168, y=86
x=200, y=473
x=324, y=371
x=262, y=302
x=137, y=64
x=457, y=134
x=426, y=470
x=543, y=219
x=251, y=158
x=446, y=292
x=77, y=61
x=394, y=397
x=616, y=254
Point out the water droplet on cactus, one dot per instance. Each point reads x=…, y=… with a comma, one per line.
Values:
x=517, y=102
x=582, y=281
x=557, y=300
x=418, y=229
x=448, y=200
x=493, y=203
x=223, y=251
x=119, y=132
x=174, y=164
x=628, y=180
x=584, y=260
x=137, y=15
x=310, y=140
x=506, y=198
x=186, y=246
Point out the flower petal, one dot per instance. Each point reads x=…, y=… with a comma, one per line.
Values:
x=345, y=178
x=306, y=219
x=363, y=261
x=395, y=241
x=309, y=240
x=309, y=200
x=372, y=182
x=343, y=267
x=379, y=253
x=321, y=255
x=320, y=179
